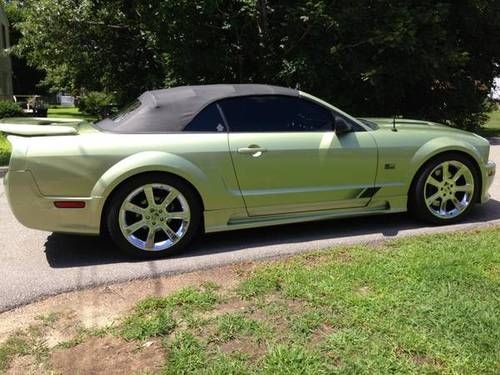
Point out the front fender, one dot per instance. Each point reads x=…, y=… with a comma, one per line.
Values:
x=447, y=144
x=408, y=160
x=440, y=145
x=151, y=161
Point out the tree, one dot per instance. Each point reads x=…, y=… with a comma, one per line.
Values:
x=25, y=79
x=93, y=45
x=430, y=59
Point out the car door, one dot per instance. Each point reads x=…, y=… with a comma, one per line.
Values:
x=288, y=158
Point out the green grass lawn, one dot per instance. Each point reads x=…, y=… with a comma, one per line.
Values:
x=492, y=127
x=425, y=304
x=68, y=112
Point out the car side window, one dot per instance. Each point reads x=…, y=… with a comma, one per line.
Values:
x=209, y=120
x=273, y=113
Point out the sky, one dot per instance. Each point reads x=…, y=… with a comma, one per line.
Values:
x=496, y=90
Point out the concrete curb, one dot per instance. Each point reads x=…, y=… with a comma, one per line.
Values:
x=3, y=171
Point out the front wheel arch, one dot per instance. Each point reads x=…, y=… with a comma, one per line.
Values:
x=109, y=198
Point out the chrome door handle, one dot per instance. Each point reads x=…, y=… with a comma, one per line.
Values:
x=254, y=151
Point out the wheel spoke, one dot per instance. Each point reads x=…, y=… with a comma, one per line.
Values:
x=169, y=199
x=459, y=174
x=135, y=227
x=431, y=180
x=169, y=232
x=182, y=215
x=446, y=170
x=468, y=188
x=129, y=206
x=442, y=208
x=457, y=204
x=148, y=191
x=433, y=198
x=150, y=241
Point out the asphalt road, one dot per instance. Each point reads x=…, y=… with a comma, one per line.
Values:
x=35, y=264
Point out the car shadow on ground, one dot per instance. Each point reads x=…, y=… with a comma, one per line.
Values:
x=63, y=251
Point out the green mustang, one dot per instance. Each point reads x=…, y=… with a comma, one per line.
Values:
x=221, y=157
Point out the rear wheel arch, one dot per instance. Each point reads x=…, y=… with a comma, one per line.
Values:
x=425, y=163
x=152, y=174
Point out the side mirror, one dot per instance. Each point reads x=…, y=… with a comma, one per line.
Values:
x=342, y=126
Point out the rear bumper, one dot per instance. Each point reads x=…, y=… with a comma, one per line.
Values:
x=38, y=212
x=489, y=172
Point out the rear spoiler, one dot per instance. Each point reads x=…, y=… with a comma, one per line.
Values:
x=26, y=130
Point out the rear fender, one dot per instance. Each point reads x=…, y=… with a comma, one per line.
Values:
x=19, y=151
x=150, y=161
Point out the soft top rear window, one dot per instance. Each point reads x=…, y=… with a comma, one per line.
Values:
x=125, y=111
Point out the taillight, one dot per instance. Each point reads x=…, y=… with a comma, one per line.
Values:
x=69, y=204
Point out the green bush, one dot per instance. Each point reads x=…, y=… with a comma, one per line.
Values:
x=97, y=103
x=4, y=150
x=9, y=109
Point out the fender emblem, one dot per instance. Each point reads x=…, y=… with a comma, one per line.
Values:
x=390, y=166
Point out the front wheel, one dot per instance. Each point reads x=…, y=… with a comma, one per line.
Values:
x=445, y=190
x=154, y=216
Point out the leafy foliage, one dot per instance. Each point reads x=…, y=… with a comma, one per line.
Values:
x=428, y=59
x=25, y=78
x=5, y=150
x=9, y=109
x=96, y=103
x=93, y=45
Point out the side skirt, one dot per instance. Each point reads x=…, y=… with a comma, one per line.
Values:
x=226, y=220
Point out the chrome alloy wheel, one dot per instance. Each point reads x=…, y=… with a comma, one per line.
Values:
x=449, y=189
x=154, y=217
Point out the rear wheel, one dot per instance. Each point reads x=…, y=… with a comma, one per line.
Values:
x=154, y=216
x=445, y=190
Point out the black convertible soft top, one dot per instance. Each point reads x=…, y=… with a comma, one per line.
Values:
x=170, y=110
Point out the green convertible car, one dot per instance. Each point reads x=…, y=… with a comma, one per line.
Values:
x=221, y=157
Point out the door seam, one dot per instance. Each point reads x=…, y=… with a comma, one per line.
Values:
x=223, y=116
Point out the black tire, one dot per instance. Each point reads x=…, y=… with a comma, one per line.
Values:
x=118, y=197
x=416, y=198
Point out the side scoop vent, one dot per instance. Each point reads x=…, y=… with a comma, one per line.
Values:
x=369, y=192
